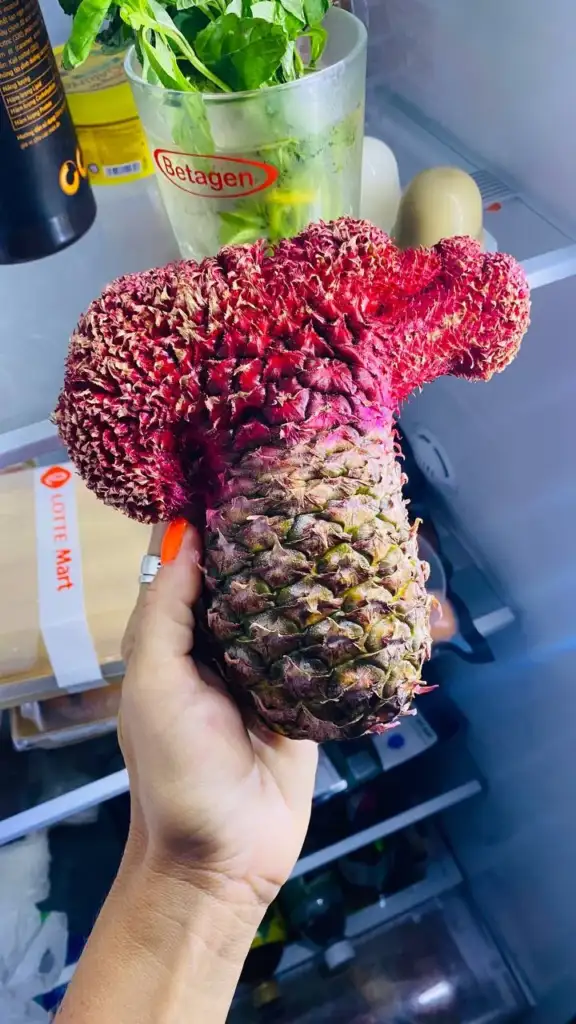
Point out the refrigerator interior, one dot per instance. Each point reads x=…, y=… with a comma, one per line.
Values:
x=495, y=82
x=490, y=87
x=435, y=965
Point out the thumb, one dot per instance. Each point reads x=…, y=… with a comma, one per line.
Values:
x=165, y=629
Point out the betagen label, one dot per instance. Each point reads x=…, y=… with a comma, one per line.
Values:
x=214, y=177
x=60, y=586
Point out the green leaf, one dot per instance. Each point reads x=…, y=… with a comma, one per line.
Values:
x=288, y=67
x=265, y=9
x=315, y=11
x=244, y=52
x=88, y=21
x=242, y=227
x=295, y=8
x=318, y=39
x=190, y=23
x=115, y=35
x=243, y=8
x=210, y=8
x=291, y=25
x=136, y=16
x=69, y=7
x=160, y=13
x=149, y=14
x=162, y=60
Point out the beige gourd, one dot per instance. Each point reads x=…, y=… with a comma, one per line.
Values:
x=441, y=202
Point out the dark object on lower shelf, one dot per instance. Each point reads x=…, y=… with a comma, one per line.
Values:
x=383, y=868
x=30, y=778
x=444, y=766
x=316, y=910
x=84, y=863
x=262, y=963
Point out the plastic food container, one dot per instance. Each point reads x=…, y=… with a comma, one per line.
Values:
x=109, y=130
x=71, y=718
x=435, y=965
x=236, y=167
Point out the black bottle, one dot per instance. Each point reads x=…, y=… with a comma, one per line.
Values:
x=46, y=202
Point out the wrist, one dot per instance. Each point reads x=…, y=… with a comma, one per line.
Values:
x=173, y=951
x=191, y=942
x=182, y=876
x=221, y=914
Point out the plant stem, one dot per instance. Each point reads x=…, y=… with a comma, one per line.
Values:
x=190, y=55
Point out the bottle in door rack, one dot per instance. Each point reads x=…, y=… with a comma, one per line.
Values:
x=46, y=202
x=316, y=911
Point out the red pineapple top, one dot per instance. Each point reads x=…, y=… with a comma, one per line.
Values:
x=173, y=372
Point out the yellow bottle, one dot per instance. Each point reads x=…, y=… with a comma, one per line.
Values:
x=106, y=119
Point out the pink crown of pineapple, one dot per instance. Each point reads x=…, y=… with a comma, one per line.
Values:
x=175, y=372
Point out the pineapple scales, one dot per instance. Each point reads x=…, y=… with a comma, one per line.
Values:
x=261, y=387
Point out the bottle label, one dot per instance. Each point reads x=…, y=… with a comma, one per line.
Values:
x=115, y=153
x=63, y=622
x=104, y=113
x=214, y=177
x=30, y=86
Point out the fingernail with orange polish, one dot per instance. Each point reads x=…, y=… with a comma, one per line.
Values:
x=172, y=541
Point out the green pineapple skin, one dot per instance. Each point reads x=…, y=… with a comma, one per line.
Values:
x=316, y=594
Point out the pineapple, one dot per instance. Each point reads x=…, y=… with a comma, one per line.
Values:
x=261, y=386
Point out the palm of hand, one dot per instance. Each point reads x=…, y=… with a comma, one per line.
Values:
x=211, y=797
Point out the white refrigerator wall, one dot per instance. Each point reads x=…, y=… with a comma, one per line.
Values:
x=501, y=76
x=41, y=301
x=57, y=23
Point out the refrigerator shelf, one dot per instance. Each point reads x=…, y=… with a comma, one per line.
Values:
x=60, y=808
x=420, y=812
x=409, y=966
x=547, y=252
x=442, y=875
x=13, y=694
x=46, y=787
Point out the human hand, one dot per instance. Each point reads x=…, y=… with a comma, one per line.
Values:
x=211, y=801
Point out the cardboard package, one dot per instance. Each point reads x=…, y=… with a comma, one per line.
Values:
x=102, y=573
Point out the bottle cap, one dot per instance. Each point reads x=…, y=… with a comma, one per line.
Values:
x=338, y=956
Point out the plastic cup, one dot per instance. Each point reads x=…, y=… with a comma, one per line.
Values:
x=236, y=167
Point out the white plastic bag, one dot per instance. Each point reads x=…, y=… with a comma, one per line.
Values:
x=32, y=946
x=12, y=1011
